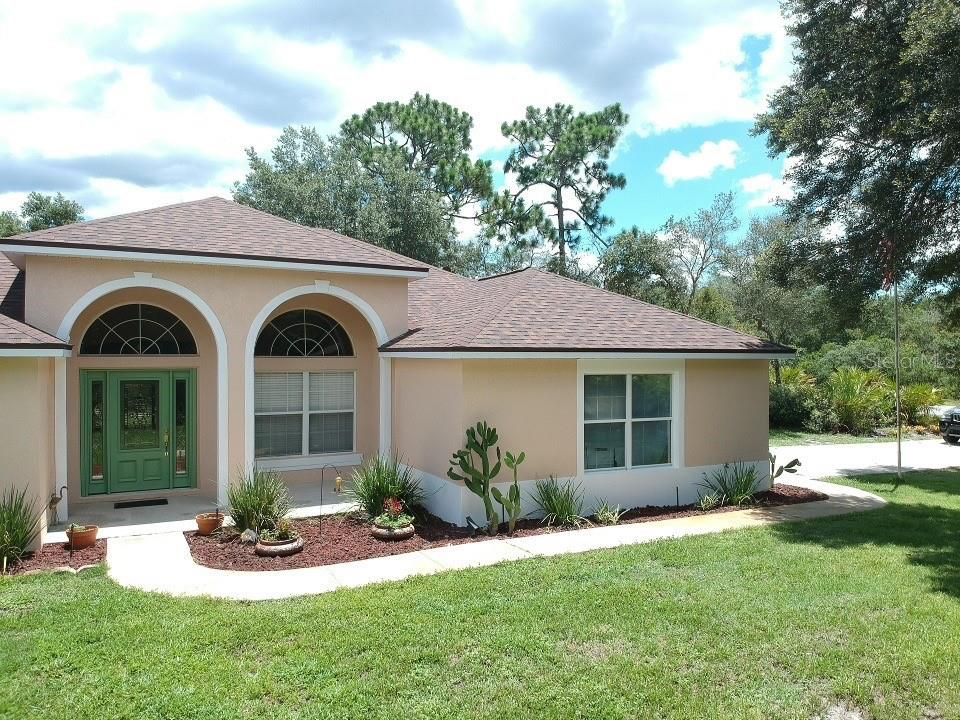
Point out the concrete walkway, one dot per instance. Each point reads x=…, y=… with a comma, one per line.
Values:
x=821, y=461
x=162, y=563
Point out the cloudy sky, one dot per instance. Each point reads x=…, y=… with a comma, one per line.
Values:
x=128, y=104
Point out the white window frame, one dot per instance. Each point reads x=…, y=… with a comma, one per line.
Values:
x=306, y=460
x=673, y=368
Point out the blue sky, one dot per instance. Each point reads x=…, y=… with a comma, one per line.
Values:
x=130, y=104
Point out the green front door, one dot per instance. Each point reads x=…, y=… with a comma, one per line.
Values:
x=139, y=430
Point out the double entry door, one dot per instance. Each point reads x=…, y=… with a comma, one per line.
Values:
x=138, y=430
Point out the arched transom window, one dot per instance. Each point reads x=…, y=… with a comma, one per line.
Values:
x=303, y=333
x=138, y=329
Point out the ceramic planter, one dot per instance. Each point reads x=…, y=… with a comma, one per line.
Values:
x=278, y=548
x=78, y=539
x=387, y=533
x=208, y=523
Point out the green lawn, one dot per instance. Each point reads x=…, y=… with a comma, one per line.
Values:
x=766, y=623
x=780, y=437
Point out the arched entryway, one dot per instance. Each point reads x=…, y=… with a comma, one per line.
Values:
x=145, y=393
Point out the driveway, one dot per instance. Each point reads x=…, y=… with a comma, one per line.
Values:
x=820, y=461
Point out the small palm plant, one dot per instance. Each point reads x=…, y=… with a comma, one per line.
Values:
x=19, y=525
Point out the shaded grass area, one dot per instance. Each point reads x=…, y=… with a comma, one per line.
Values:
x=766, y=623
x=781, y=438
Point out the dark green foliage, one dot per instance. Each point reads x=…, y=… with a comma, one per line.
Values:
x=557, y=151
x=790, y=406
x=872, y=115
x=476, y=470
x=560, y=502
x=40, y=212
x=383, y=477
x=19, y=525
x=258, y=500
x=640, y=264
x=916, y=401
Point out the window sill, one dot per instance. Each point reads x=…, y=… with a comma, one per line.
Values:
x=309, y=462
x=633, y=469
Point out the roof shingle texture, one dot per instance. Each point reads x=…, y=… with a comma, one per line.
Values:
x=217, y=227
x=14, y=333
x=533, y=310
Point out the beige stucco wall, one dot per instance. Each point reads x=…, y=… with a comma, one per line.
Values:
x=235, y=295
x=533, y=405
x=727, y=411
x=26, y=429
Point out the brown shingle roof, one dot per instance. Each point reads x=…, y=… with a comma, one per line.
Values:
x=536, y=311
x=215, y=227
x=14, y=333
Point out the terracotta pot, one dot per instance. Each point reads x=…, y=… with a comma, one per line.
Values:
x=208, y=523
x=80, y=539
x=386, y=533
x=278, y=548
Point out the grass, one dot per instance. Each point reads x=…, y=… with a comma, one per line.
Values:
x=782, y=438
x=774, y=622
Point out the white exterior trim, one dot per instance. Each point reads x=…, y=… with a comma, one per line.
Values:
x=677, y=371
x=147, y=280
x=565, y=355
x=386, y=405
x=310, y=462
x=35, y=352
x=60, y=436
x=87, y=253
x=322, y=287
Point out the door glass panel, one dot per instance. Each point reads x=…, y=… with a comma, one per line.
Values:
x=139, y=414
x=180, y=426
x=96, y=429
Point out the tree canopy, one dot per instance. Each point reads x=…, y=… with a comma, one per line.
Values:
x=40, y=212
x=871, y=117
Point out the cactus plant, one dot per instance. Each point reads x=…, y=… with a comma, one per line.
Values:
x=778, y=470
x=511, y=503
x=480, y=439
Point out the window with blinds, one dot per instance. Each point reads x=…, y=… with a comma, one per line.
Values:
x=304, y=413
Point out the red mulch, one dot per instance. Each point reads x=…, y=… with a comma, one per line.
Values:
x=344, y=538
x=57, y=555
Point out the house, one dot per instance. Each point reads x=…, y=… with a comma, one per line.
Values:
x=155, y=353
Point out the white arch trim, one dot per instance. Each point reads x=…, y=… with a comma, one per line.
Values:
x=322, y=287
x=147, y=280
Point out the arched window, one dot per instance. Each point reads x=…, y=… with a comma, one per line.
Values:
x=303, y=333
x=138, y=330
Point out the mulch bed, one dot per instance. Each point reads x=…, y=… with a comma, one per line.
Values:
x=55, y=556
x=344, y=538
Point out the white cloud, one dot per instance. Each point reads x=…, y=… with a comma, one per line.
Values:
x=701, y=163
x=764, y=190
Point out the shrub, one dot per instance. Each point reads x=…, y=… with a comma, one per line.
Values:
x=916, y=401
x=381, y=478
x=258, y=501
x=822, y=418
x=561, y=502
x=861, y=399
x=19, y=525
x=789, y=406
x=607, y=514
x=734, y=484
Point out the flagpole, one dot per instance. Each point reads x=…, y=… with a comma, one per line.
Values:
x=896, y=351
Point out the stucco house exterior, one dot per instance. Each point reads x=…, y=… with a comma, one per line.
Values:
x=155, y=353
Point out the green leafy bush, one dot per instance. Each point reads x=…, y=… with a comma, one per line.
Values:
x=381, y=478
x=258, y=501
x=561, y=502
x=734, y=484
x=19, y=525
x=823, y=418
x=789, y=406
x=861, y=399
x=916, y=401
x=607, y=514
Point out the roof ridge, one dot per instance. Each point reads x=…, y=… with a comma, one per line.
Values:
x=498, y=311
x=15, y=324
x=94, y=221
x=654, y=305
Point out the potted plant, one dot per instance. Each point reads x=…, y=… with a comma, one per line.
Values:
x=394, y=523
x=81, y=536
x=279, y=541
x=209, y=522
